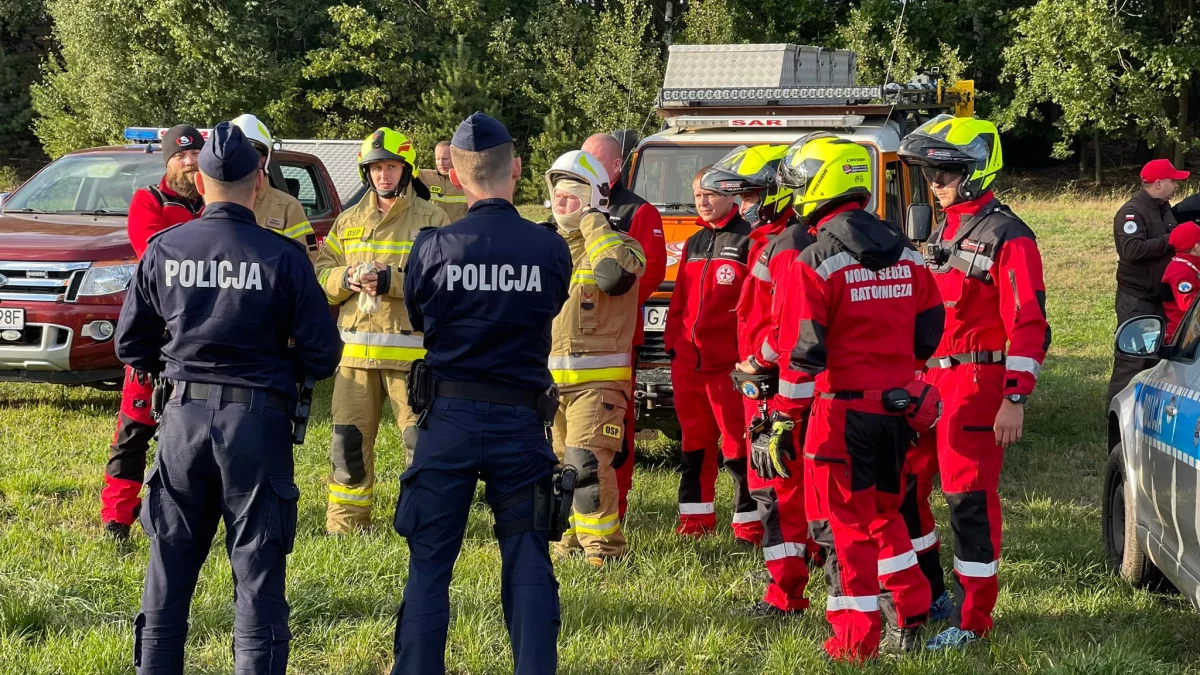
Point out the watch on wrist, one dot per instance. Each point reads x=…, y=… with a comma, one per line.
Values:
x=1018, y=399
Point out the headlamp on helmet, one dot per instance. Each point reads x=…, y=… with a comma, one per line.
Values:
x=382, y=146
x=946, y=145
x=747, y=170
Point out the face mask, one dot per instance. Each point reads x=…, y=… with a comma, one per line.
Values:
x=569, y=222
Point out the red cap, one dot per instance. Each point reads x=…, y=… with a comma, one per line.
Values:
x=1162, y=169
x=1185, y=236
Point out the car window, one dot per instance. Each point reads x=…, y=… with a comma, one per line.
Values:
x=1187, y=336
x=894, y=191
x=301, y=181
x=88, y=182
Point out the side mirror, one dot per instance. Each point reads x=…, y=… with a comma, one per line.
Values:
x=1140, y=336
x=920, y=222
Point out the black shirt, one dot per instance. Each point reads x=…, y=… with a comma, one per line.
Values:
x=485, y=290
x=217, y=300
x=1141, y=229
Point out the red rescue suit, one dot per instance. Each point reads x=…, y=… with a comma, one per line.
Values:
x=867, y=308
x=1183, y=276
x=701, y=336
x=634, y=216
x=786, y=544
x=152, y=210
x=992, y=286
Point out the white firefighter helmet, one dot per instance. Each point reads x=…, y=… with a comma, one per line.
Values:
x=580, y=166
x=256, y=131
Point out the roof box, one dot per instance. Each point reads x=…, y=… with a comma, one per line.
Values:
x=746, y=68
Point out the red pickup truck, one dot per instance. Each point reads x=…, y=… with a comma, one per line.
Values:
x=65, y=258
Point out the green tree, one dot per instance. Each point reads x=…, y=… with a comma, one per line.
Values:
x=710, y=22
x=1056, y=61
x=24, y=29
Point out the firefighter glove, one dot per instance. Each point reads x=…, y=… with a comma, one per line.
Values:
x=772, y=454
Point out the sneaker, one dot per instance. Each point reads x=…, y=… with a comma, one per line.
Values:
x=118, y=531
x=897, y=641
x=942, y=607
x=952, y=638
x=765, y=610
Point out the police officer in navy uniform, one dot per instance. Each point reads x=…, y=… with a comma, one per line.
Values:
x=212, y=308
x=484, y=291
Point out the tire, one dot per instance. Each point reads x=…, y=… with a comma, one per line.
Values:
x=1126, y=557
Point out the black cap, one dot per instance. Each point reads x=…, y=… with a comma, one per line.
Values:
x=480, y=132
x=179, y=138
x=228, y=156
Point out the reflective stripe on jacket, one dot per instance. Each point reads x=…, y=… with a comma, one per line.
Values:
x=383, y=338
x=593, y=335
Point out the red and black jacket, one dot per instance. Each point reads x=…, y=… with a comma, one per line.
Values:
x=1183, y=276
x=154, y=209
x=701, y=329
x=635, y=216
x=862, y=305
x=754, y=305
x=993, y=289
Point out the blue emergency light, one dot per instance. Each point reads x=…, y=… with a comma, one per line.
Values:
x=142, y=134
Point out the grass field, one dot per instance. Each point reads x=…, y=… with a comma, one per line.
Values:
x=68, y=596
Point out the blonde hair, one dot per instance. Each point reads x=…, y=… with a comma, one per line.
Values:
x=484, y=169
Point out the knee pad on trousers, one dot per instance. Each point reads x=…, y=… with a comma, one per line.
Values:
x=587, y=485
x=972, y=529
x=346, y=453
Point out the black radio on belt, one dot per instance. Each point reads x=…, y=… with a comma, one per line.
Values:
x=159, y=396
x=547, y=405
x=303, y=410
x=419, y=383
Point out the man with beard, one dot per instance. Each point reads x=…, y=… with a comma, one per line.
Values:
x=154, y=208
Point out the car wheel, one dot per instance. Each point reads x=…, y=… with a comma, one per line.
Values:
x=1125, y=555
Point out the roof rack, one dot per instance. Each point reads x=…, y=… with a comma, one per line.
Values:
x=794, y=81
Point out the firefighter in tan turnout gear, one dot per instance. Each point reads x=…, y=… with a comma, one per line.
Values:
x=590, y=353
x=361, y=268
x=441, y=191
x=275, y=209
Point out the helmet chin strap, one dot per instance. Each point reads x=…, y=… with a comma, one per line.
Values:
x=395, y=192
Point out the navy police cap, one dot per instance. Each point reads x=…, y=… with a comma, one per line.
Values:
x=228, y=155
x=480, y=132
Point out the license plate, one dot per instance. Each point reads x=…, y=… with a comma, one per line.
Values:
x=12, y=318
x=655, y=318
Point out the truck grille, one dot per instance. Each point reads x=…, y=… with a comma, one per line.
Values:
x=653, y=350
x=41, y=281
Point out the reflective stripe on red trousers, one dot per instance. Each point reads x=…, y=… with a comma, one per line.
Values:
x=854, y=456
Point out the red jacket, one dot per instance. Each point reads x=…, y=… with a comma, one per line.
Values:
x=1183, y=276
x=634, y=216
x=863, y=307
x=754, y=304
x=993, y=289
x=154, y=209
x=701, y=328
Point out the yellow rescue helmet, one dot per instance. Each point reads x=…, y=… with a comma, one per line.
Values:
x=751, y=169
x=387, y=145
x=966, y=145
x=824, y=169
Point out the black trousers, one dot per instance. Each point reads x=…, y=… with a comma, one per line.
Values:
x=1125, y=367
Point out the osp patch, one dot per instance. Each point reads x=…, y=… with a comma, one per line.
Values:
x=612, y=430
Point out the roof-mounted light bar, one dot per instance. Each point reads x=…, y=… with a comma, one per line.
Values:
x=153, y=134
x=767, y=122
x=783, y=95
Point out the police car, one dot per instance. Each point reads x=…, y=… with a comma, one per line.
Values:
x=1150, y=509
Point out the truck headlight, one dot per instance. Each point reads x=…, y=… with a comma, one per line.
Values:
x=106, y=279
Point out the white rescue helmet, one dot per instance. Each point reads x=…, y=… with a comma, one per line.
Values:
x=256, y=132
x=582, y=167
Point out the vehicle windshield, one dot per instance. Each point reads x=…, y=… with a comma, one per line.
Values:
x=663, y=174
x=89, y=183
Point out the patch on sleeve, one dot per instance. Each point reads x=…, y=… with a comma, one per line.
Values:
x=612, y=430
x=1185, y=287
x=1130, y=225
x=275, y=223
